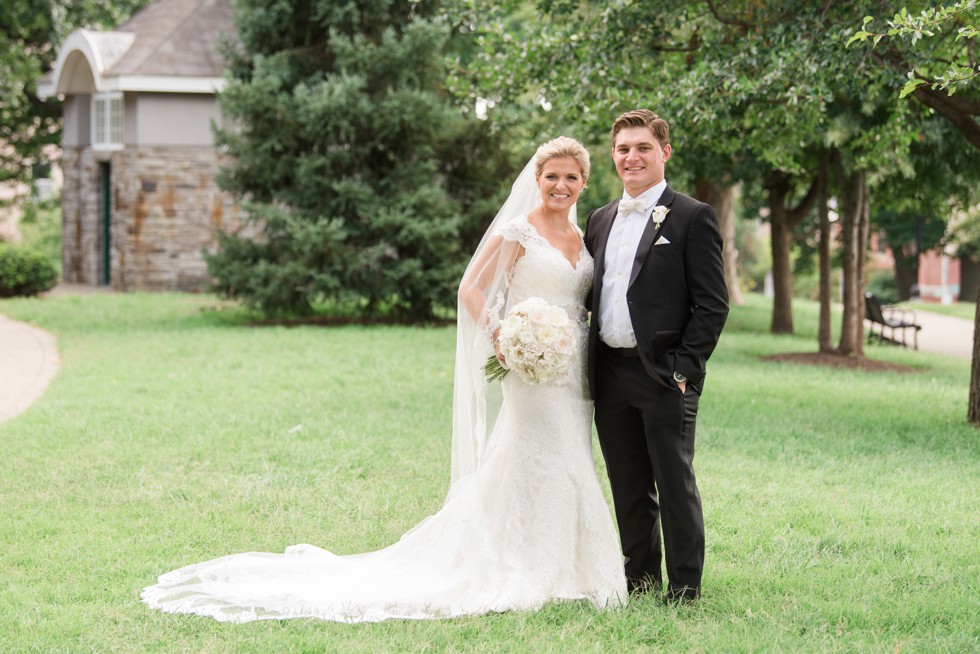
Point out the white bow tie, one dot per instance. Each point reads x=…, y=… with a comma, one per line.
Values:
x=629, y=206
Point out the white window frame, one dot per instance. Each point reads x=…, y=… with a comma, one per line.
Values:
x=107, y=121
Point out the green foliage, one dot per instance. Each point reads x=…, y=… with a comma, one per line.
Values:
x=31, y=31
x=934, y=50
x=909, y=233
x=24, y=271
x=748, y=83
x=354, y=163
x=950, y=29
x=883, y=284
x=965, y=231
x=924, y=204
x=40, y=225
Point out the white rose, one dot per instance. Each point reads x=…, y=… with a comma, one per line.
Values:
x=557, y=317
x=547, y=335
x=510, y=326
x=537, y=316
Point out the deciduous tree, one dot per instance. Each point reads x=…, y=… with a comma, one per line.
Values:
x=30, y=33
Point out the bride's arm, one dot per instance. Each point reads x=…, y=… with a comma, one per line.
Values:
x=496, y=259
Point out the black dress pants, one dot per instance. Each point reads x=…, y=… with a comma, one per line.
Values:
x=646, y=432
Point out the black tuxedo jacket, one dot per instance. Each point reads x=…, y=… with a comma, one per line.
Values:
x=677, y=297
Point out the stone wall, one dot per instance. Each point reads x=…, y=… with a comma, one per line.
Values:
x=81, y=222
x=166, y=207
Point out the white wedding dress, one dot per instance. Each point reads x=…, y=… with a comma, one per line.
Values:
x=529, y=526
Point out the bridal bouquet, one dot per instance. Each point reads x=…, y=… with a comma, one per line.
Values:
x=537, y=340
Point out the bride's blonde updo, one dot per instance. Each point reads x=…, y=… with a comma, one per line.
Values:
x=563, y=146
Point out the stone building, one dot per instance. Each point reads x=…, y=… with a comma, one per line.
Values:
x=139, y=162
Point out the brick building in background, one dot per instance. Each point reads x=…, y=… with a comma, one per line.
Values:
x=939, y=278
x=139, y=162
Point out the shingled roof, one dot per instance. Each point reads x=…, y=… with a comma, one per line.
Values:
x=171, y=45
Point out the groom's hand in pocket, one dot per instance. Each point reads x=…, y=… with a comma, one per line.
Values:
x=681, y=381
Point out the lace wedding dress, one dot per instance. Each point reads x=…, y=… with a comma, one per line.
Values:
x=530, y=525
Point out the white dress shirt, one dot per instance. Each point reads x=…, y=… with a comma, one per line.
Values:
x=615, y=326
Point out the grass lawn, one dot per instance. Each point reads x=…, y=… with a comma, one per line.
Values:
x=965, y=310
x=842, y=507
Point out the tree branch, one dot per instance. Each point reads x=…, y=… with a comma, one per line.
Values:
x=674, y=49
x=956, y=109
x=941, y=103
x=727, y=21
x=780, y=185
x=957, y=103
x=800, y=211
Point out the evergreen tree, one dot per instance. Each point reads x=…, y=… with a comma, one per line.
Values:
x=342, y=151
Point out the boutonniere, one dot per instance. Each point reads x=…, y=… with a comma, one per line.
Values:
x=659, y=215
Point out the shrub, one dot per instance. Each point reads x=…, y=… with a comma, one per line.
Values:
x=24, y=271
x=883, y=284
x=40, y=225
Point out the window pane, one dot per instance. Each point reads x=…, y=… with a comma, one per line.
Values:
x=98, y=120
x=115, y=120
x=107, y=119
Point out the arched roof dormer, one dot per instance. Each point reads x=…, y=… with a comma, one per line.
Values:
x=170, y=46
x=82, y=61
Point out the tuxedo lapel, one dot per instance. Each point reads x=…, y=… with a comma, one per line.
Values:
x=649, y=236
x=602, y=236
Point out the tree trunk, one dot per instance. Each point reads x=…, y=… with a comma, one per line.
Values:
x=864, y=241
x=824, y=337
x=782, y=272
x=973, y=415
x=722, y=200
x=853, y=220
x=782, y=221
x=781, y=240
x=848, y=257
x=906, y=270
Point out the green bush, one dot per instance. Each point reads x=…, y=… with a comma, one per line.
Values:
x=24, y=272
x=40, y=225
x=883, y=284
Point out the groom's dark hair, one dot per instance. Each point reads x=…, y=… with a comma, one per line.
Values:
x=643, y=118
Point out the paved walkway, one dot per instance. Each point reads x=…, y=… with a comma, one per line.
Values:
x=28, y=362
x=29, y=355
x=945, y=334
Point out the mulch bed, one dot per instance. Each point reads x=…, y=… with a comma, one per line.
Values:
x=839, y=361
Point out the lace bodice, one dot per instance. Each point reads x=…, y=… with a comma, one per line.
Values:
x=543, y=271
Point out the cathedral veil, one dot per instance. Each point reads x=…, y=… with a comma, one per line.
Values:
x=482, y=302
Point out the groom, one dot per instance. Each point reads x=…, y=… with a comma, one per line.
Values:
x=659, y=303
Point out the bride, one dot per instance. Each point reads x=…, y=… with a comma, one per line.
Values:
x=525, y=521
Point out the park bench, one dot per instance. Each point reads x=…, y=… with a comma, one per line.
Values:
x=892, y=318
